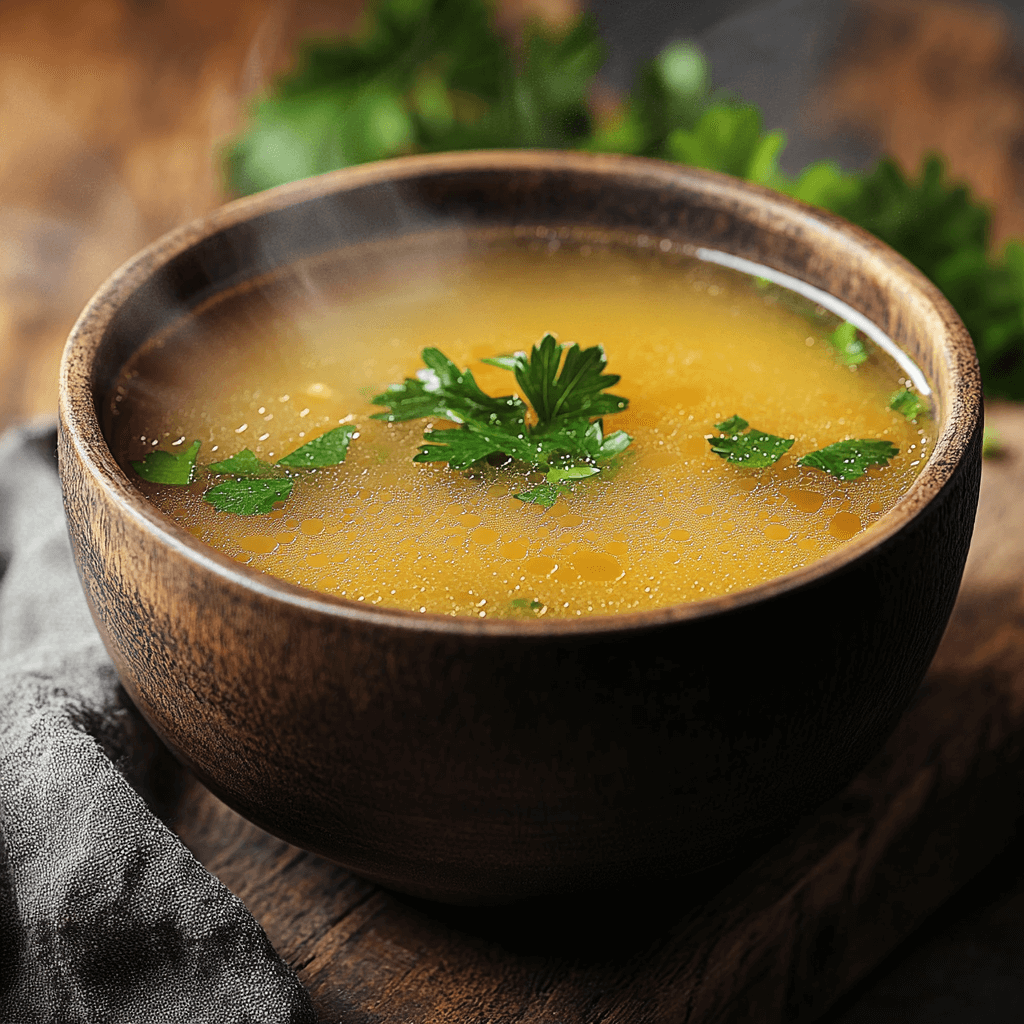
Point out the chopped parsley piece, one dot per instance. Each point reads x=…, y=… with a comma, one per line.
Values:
x=544, y=495
x=160, y=467
x=328, y=449
x=521, y=604
x=243, y=464
x=849, y=460
x=753, y=449
x=556, y=476
x=442, y=389
x=248, y=497
x=548, y=493
x=851, y=350
x=908, y=404
x=733, y=425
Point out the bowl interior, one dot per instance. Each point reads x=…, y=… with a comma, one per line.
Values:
x=274, y=239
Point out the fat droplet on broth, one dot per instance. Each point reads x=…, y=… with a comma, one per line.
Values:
x=844, y=525
x=806, y=501
x=670, y=523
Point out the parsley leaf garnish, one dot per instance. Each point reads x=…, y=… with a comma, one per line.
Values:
x=328, y=449
x=908, y=404
x=851, y=350
x=442, y=389
x=160, y=467
x=571, y=394
x=849, y=460
x=565, y=385
x=753, y=449
x=248, y=497
x=544, y=495
x=243, y=464
x=548, y=493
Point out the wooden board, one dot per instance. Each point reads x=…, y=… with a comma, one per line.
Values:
x=780, y=940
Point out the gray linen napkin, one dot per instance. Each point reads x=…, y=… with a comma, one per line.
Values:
x=104, y=915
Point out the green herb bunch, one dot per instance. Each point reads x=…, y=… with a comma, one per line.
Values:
x=566, y=385
x=433, y=75
x=422, y=76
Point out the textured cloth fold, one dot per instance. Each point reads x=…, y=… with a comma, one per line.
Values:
x=104, y=915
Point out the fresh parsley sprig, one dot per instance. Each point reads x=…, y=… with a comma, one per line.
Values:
x=568, y=394
x=566, y=386
x=422, y=76
x=442, y=389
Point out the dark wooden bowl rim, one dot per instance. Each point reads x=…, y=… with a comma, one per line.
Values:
x=959, y=402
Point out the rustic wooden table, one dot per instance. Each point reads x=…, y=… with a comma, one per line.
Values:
x=107, y=142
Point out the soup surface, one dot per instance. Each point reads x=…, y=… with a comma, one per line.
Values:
x=667, y=521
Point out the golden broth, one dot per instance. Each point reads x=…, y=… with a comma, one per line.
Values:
x=670, y=522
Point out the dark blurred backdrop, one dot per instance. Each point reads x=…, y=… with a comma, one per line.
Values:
x=112, y=113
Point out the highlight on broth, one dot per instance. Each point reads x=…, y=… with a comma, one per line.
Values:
x=428, y=426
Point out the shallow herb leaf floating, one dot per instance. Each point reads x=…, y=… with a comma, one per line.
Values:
x=433, y=75
x=163, y=467
x=747, y=447
x=850, y=460
x=248, y=497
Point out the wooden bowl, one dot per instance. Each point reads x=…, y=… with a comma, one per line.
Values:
x=476, y=760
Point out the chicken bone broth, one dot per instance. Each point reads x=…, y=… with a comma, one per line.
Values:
x=269, y=368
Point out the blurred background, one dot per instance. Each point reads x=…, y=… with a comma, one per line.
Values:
x=114, y=115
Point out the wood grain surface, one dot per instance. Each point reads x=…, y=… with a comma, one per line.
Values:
x=778, y=940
